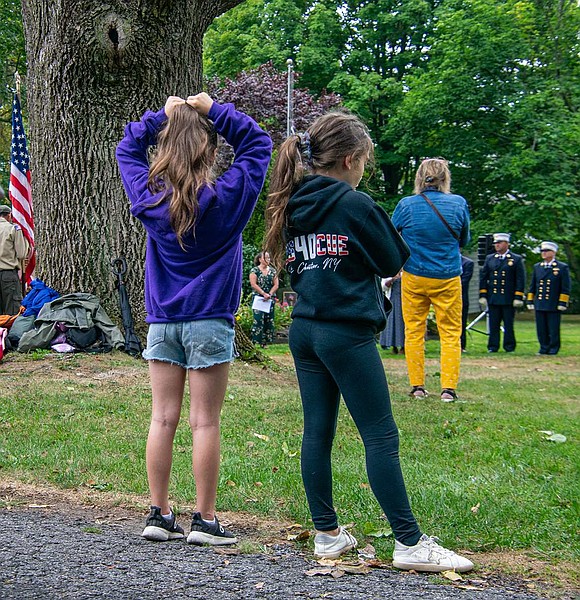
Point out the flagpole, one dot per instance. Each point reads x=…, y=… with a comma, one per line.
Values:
x=290, y=111
x=19, y=190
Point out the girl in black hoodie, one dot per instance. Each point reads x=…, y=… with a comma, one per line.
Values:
x=337, y=244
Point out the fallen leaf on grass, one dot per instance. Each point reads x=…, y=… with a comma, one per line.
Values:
x=327, y=562
x=373, y=531
x=261, y=436
x=40, y=505
x=367, y=552
x=452, y=576
x=231, y=483
x=287, y=452
x=317, y=571
x=475, y=509
x=300, y=536
x=338, y=568
x=358, y=569
x=550, y=436
x=375, y=563
x=227, y=551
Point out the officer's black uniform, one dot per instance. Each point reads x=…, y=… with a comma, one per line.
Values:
x=550, y=288
x=502, y=280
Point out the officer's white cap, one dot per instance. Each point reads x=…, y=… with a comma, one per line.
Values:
x=5, y=209
x=549, y=246
x=501, y=237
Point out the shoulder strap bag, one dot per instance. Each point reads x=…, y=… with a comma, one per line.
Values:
x=440, y=216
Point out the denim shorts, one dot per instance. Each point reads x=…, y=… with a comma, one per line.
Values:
x=191, y=344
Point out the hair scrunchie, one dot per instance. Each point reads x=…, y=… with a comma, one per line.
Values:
x=305, y=147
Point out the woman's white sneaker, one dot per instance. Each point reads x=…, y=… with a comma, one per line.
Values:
x=332, y=546
x=428, y=555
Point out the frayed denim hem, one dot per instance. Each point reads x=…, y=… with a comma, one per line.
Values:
x=188, y=368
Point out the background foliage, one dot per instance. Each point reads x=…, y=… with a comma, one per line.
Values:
x=492, y=85
x=12, y=59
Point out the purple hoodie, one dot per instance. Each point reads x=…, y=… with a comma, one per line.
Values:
x=205, y=280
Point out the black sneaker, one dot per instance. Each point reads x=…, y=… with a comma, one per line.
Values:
x=206, y=533
x=159, y=529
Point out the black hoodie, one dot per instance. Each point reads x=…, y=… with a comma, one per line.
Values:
x=339, y=243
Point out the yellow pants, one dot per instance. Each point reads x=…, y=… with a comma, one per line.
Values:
x=418, y=293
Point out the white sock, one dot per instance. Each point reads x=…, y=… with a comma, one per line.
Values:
x=212, y=522
x=169, y=516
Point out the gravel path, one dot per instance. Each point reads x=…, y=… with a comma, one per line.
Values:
x=46, y=555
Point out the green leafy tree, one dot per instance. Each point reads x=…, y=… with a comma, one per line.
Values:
x=12, y=60
x=499, y=98
x=254, y=33
x=388, y=40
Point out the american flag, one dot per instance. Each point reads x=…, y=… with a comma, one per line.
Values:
x=19, y=190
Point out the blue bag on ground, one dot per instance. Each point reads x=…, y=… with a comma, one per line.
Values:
x=37, y=297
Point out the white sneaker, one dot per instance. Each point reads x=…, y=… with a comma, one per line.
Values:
x=428, y=555
x=332, y=546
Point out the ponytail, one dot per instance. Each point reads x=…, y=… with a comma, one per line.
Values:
x=286, y=175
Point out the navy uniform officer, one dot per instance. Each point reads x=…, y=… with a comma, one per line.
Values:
x=501, y=290
x=549, y=294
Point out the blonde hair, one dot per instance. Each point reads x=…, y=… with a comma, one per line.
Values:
x=433, y=173
x=327, y=141
x=182, y=165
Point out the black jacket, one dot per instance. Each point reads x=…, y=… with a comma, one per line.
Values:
x=550, y=286
x=502, y=281
x=339, y=244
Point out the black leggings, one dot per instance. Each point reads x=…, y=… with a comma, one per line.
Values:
x=334, y=358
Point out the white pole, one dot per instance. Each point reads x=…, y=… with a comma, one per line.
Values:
x=290, y=110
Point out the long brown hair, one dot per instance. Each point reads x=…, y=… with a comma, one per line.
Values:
x=327, y=141
x=182, y=166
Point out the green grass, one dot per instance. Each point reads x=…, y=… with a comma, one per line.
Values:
x=73, y=421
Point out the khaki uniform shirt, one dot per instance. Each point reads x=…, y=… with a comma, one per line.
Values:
x=13, y=247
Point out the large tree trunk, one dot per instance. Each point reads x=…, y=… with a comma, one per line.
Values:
x=92, y=67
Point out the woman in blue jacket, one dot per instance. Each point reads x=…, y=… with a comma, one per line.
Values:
x=435, y=225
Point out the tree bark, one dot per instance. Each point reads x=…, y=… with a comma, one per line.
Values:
x=92, y=67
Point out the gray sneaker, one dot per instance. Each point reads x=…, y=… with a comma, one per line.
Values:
x=428, y=555
x=332, y=546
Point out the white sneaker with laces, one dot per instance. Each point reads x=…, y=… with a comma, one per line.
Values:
x=332, y=546
x=428, y=555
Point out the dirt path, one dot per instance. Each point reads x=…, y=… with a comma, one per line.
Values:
x=58, y=544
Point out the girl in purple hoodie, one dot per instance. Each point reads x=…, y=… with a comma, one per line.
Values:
x=193, y=275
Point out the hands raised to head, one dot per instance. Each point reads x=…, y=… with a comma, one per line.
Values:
x=200, y=103
x=171, y=103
